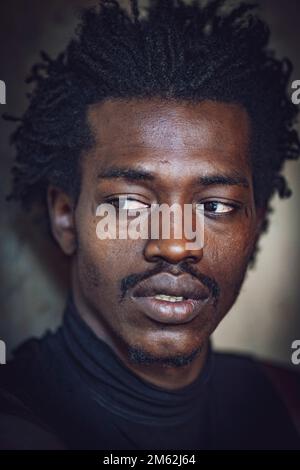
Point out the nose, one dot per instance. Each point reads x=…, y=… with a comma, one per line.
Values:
x=171, y=250
x=173, y=233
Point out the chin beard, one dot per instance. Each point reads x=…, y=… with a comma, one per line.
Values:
x=138, y=355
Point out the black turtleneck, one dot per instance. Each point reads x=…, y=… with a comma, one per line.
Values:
x=74, y=383
x=115, y=387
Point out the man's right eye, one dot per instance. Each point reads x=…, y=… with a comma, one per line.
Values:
x=126, y=203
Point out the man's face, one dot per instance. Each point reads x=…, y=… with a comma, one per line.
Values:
x=172, y=153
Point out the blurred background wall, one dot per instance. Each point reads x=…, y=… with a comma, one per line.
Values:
x=265, y=319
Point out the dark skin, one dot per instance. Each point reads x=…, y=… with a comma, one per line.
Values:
x=195, y=153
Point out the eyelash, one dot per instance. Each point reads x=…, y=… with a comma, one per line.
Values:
x=211, y=214
x=234, y=208
x=116, y=201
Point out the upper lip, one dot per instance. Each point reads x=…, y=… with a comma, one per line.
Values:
x=178, y=286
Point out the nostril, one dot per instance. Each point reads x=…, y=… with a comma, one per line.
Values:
x=171, y=250
x=152, y=251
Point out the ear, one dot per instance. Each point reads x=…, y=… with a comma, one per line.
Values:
x=62, y=219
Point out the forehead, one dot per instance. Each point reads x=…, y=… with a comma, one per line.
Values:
x=140, y=129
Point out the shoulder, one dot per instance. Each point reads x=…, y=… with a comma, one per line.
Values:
x=20, y=429
x=29, y=358
x=286, y=382
x=234, y=367
x=262, y=397
x=20, y=426
x=26, y=372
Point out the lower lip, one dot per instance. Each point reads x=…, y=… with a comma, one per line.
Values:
x=169, y=312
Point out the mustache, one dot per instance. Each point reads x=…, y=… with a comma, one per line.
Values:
x=164, y=267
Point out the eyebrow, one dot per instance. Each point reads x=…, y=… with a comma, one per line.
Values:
x=137, y=174
x=131, y=174
x=226, y=180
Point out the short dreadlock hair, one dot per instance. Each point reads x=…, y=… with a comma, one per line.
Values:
x=174, y=50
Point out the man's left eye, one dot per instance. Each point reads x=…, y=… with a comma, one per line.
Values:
x=215, y=207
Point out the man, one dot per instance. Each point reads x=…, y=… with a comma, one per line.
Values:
x=185, y=106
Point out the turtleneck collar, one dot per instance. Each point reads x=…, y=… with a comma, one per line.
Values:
x=114, y=386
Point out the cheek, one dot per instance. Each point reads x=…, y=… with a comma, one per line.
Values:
x=227, y=254
x=102, y=264
x=227, y=243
